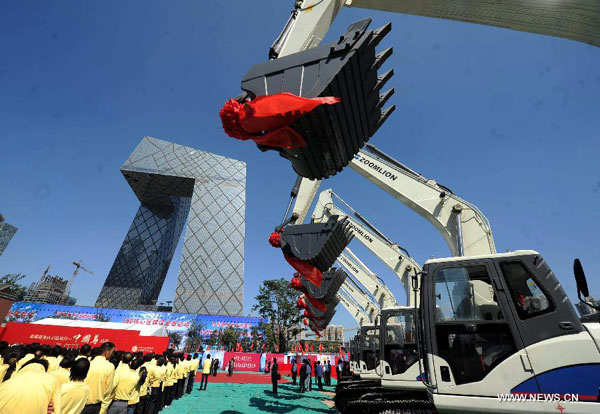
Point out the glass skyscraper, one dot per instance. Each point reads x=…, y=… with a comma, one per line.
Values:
x=178, y=185
x=7, y=232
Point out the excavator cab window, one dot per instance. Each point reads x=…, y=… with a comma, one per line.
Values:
x=400, y=347
x=472, y=334
x=529, y=298
x=371, y=348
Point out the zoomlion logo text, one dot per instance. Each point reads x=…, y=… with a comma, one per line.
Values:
x=361, y=233
x=350, y=265
x=378, y=168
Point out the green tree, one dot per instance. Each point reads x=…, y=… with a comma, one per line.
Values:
x=276, y=301
x=194, y=336
x=213, y=339
x=10, y=284
x=175, y=339
x=230, y=338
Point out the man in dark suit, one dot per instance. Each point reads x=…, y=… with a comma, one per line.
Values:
x=275, y=375
x=294, y=371
x=303, y=376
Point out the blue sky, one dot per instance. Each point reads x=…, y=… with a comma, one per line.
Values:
x=510, y=121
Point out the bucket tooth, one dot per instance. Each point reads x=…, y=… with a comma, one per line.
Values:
x=379, y=34
x=383, y=98
x=384, y=115
x=381, y=57
x=345, y=68
x=383, y=78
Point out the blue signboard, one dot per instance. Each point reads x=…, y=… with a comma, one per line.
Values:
x=178, y=322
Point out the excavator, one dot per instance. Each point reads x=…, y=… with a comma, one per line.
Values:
x=495, y=332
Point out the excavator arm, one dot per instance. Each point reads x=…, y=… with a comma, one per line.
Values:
x=397, y=260
x=376, y=287
x=464, y=228
x=355, y=292
x=357, y=313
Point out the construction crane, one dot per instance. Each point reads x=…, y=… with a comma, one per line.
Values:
x=78, y=266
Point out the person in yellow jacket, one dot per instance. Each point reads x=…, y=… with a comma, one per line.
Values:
x=74, y=393
x=100, y=379
x=127, y=384
x=63, y=372
x=160, y=374
x=182, y=374
x=146, y=403
x=171, y=381
x=194, y=364
x=30, y=390
x=205, y=372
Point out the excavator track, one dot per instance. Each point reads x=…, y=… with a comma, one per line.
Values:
x=401, y=406
x=348, y=395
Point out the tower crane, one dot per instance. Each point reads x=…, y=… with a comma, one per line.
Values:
x=78, y=266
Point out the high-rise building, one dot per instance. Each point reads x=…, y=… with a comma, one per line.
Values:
x=7, y=232
x=178, y=185
x=334, y=333
x=50, y=289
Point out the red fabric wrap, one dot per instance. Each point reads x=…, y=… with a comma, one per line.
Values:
x=296, y=283
x=275, y=239
x=266, y=120
x=305, y=322
x=316, y=303
x=307, y=270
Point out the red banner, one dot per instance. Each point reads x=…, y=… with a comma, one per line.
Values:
x=280, y=358
x=243, y=361
x=74, y=337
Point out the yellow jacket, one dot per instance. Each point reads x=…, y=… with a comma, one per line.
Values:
x=74, y=395
x=125, y=385
x=30, y=390
x=159, y=376
x=207, y=363
x=52, y=363
x=168, y=375
x=62, y=374
x=100, y=380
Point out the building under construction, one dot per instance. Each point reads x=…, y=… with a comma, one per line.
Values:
x=50, y=289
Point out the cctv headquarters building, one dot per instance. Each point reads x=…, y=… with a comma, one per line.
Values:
x=181, y=187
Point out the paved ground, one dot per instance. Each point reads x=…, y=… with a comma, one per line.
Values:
x=234, y=398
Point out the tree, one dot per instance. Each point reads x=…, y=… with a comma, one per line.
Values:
x=276, y=301
x=230, y=338
x=10, y=284
x=213, y=339
x=194, y=336
x=175, y=339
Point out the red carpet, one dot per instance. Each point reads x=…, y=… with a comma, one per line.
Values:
x=242, y=378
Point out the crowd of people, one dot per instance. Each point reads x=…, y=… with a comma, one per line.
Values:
x=52, y=380
x=304, y=372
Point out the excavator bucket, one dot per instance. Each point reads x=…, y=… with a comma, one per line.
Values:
x=345, y=69
x=319, y=314
x=317, y=243
x=332, y=281
x=319, y=325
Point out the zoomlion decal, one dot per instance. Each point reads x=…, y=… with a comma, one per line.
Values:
x=348, y=264
x=378, y=168
x=361, y=232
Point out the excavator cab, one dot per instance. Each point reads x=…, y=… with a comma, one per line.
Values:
x=370, y=350
x=398, y=340
x=318, y=244
x=502, y=324
x=345, y=69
